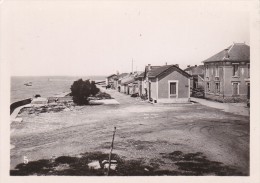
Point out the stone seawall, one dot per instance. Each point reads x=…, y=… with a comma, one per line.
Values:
x=14, y=105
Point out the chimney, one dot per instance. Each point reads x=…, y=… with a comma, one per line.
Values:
x=177, y=65
x=226, y=55
x=149, y=67
x=165, y=63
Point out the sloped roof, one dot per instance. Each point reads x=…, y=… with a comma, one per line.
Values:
x=153, y=73
x=201, y=75
x=151, y=68
x=235, y=52
x=128, y=79
x=111, y=75
x=195, y=70
x=122, y=75
x=156, y=71
x=194, y=67
x=140, y=75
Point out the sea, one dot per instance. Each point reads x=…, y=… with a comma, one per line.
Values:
x=23, y=87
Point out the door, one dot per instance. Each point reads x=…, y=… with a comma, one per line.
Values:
x=248, y=91
x=173, y=89
x=235, y=89
x=149, y=90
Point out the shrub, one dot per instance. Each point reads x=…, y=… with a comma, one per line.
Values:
x=81, y=90
x=198, y=92
x=135, y=95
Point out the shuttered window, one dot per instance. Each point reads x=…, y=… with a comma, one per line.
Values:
x=235, y=88
x=235, y=70
x=207, y=71
x=248, y=66
x=217, y=87
x=173, y=88
x=216, y=71
x=208, y=87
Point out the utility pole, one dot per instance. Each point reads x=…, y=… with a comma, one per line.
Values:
x=110, y=154
x=132, y=65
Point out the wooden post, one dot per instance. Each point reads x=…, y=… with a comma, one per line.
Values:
x=112, y=145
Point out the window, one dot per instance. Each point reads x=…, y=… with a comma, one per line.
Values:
x=248, y=67
x=216, y=71
x=235, y=70
x=207, y=71
x=173, y=88
x=217, y=87
x=208, y=87
x=235, y=88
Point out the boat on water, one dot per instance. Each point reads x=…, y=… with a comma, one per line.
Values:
x=28, y=84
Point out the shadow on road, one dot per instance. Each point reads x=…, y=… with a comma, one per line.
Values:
x=186, y=165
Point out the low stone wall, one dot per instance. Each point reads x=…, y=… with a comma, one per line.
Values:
x=239, y=99
x=218, y=98
x=60, y=99
x=172, y=100
x=14, y=105
x=226, y=99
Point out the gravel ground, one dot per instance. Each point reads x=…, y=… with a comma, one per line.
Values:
x=144, y=131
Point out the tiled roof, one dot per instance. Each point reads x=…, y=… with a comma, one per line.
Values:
x=201, y=75
x=111, y=75
x=195, y=70
x=157, y=71
x=128, y=79
x=140, y=75
x=235, y=52
x=122, y=75
x=193, y=67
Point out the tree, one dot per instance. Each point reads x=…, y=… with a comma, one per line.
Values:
x=81, y=90
x=94, y=90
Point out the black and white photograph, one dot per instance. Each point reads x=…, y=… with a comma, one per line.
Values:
x=130, y=89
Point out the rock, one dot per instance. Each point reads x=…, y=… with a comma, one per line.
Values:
x=61, y=167
x=106, y=162
x=19, y=120
x=12, y=146
x=112, y=166
x=94, y=165
x=66, y=109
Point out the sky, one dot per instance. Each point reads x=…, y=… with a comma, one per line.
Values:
x=102, y=37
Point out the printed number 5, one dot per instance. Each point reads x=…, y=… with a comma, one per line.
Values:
x=25, y=160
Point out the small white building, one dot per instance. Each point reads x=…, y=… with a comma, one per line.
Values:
x=39, y=101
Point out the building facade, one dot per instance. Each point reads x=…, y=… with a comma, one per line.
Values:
x=167, y=84
x=197, y=73
x=110, y=80
x=227, y=74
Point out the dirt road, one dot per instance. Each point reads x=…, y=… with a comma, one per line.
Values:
x=144, y=131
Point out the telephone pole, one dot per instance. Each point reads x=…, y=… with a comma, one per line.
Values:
x=132, y=65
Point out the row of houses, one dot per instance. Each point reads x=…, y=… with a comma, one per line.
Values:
x=224, y=77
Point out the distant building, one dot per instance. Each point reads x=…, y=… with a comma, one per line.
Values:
x=227, y=74
x=129, y=84
x=119, y=78
x=166, y=84
x=110, y=80
x=197, y=73
x=140, y=83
